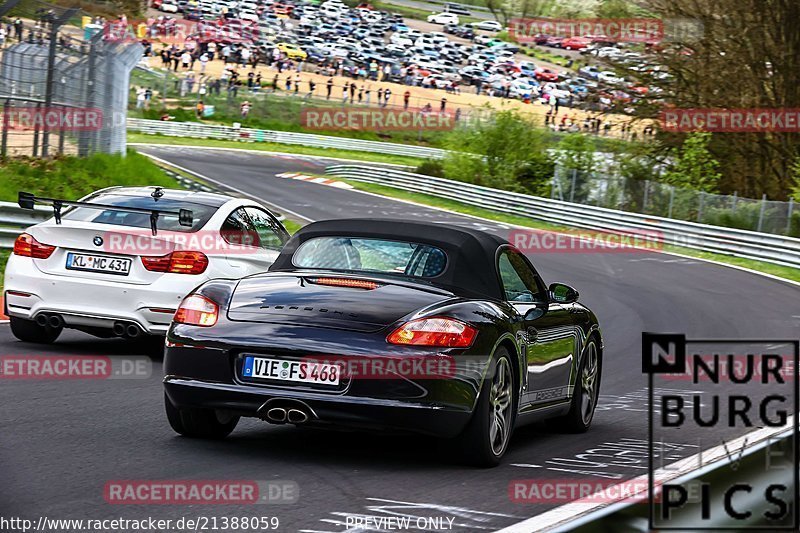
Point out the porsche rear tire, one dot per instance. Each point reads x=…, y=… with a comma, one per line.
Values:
x=199, y=423
x=486, y=437
x=29, y=331
x=586, y=393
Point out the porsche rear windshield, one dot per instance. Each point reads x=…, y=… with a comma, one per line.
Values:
x=200, y=213
x=353, y=254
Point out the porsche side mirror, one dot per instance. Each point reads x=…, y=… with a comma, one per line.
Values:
x=563, y=294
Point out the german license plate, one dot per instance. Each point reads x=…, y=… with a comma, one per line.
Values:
x=293, y=371
x=99, y=263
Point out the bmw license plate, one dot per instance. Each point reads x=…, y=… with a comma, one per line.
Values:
x=99, y=263
x=294, y=371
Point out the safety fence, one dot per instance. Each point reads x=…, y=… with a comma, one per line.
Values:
x=739, y=243
x=62, y=90
x=229, y=133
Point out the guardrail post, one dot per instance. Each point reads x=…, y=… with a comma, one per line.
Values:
x=761, y=211
x=671, y=200
x=645, y=198
x=733, y=201
x=36, y=132
x=789, y=216
x=572, y=188
x=4, y=142
x=700, y=206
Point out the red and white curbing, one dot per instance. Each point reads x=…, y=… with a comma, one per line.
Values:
x=314, y=179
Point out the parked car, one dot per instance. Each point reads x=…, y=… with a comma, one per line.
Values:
x=487, y=25
x=546, y=74
x=443, y=18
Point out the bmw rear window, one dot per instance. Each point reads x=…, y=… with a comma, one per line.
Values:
x=201, y=213
x=353, y=254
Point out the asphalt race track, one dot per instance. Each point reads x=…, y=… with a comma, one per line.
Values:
x=62, y=441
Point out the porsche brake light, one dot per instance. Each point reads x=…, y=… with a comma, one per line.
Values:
x=438, y=331
x=177, y=263
x=345, y=282
x=197, y=310
x=27, y=246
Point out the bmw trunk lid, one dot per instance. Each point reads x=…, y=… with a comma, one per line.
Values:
x=88, y=239
x=328, y=300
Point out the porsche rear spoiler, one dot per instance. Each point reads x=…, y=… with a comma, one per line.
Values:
x=26, y=200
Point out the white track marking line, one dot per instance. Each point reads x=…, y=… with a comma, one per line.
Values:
x=217, y=182
x=273, y=154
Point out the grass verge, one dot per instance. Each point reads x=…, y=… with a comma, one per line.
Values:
x=274, y=147
x=459, y=207
x=73, y=177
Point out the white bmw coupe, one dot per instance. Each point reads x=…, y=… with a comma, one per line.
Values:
x=119, y=261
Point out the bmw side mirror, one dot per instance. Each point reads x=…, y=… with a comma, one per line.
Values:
x=563, y=294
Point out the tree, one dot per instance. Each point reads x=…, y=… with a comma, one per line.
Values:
x=507, y=152
x=741, y=54
x=694, y=167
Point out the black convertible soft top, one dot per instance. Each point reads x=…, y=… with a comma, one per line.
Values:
x=470, y=269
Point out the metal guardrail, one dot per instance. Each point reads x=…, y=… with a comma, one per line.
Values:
x=739, y=243
x=13, y=219
x=208, y=131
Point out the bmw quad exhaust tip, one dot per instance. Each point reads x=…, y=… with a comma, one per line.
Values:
x=118, y=329
x=54, y=321
x=132, y=331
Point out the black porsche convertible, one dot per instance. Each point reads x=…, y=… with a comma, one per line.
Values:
x=387, y=325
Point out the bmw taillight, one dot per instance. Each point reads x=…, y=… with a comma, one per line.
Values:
x=27, y=246
x=177, y=263
x=197, y=310
x=437, y=331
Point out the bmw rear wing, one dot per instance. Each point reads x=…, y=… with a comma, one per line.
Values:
x=26, y=200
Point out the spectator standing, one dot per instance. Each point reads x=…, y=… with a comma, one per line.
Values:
x=329, y=85
x=406, y=99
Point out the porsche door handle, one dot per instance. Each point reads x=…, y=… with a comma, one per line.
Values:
x=532, y=334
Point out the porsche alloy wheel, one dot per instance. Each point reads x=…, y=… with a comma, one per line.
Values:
x=589, y=383
x=586, y=392
x=486, y=437
x=500, y=406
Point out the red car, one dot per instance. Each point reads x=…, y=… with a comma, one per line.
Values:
x=545, y=74
x=575, y=43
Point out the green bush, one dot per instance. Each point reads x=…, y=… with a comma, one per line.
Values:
x=431, y=167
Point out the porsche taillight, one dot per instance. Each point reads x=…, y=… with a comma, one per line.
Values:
x=197, y=310
x=437, y=331
x=27, y=246
x=177, y=263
